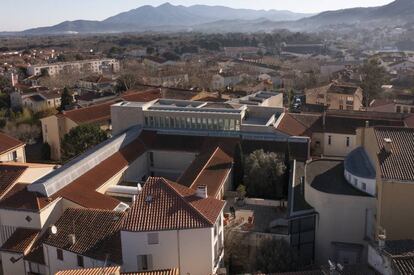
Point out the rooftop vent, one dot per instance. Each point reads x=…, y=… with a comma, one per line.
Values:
x=387, y=145
x=148, y=199
x=202, y=191
x=72, y=238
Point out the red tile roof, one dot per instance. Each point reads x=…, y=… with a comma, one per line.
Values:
x=8, y=176
x=8, y=143
x=209, y=169
x=112, y=270
x=291, y=126
x=173, y=271
x=140, y=96
x=97, y=233
x=81, y=191
x=102, y=112
x=165, y=205
x=399, y=163
x=93, y=114
x=20, y=241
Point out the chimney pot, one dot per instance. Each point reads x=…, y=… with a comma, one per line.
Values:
x=202, y=191
x=72, y=238
x=387, y=145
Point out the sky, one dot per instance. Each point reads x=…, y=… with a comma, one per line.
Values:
x=24, y=14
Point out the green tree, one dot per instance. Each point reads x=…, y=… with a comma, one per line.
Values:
x=80, y=139
x=264, y=175
x=66, y=99
x=238, y=167
x=275, y=256
x=373, y=77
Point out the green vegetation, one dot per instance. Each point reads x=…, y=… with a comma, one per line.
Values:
x=66, y=99
x=265, y=175
x=373, y=77
x=80, y=139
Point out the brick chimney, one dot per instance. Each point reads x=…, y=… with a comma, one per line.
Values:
x=201, y=191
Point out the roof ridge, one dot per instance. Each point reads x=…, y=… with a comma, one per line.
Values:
x=167, y=182
x=204, y=166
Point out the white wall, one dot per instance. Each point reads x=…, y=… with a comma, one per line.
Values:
x=194, y=247
x=69, y=260
x=371, y=184
x=341, y=219
x=379, y=263
x=17, y=268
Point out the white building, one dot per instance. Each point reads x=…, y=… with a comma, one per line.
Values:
x=170, y=226
x=97, y=66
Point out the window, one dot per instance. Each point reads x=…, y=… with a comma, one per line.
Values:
x=341, y=107
x=364, y=186
x=144, y=262
x=80, y=261
x=59, y=254
x=329, y=140
x=152, y=238
x=398, y=109
x=347, y=141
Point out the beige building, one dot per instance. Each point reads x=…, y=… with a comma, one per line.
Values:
x=389, y=149
x=11, y=149
x=336, y=96
x=333, y=133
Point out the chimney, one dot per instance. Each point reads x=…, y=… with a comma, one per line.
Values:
x=202, y=191
x=382, y=237
x=72, y=238
x=387, y=145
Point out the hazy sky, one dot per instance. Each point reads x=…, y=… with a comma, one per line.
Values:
x=18, y=15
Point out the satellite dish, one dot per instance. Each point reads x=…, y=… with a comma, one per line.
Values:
x=53, y=230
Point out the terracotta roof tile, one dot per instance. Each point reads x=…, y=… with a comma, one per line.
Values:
x=145, y=96
x=96, y=233
x=209, y=169
x=112, y=270
x=399, y=163
x=164, y=205
x=8, y=143
x=93, y=114
x=173, y=271
x=21, y=240
x=8, y=176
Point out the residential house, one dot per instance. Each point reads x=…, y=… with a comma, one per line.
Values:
x=392, y=257
x=237, y=52
x=389, y=151
x=97, y=83
x=336, y=97
x=168, y=217
x=225, y=79
x=96, y=66
x=334, y=133
x=55, y=127
x=403, y=103
x=11, y=149
x=84, y=238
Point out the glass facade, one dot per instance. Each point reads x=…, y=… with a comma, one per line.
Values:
x=192, y=123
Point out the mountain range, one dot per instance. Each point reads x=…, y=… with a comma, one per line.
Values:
x=204, y=18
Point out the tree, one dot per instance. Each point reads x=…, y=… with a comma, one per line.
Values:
x=373, y=77
x=264, y=175
x=80, y=139
x=66, y=99
x=275, y=256
x=238, y=168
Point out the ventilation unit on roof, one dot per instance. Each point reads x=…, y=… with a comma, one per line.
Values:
x=148, y=199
